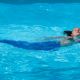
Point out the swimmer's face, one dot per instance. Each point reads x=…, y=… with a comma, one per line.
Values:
x=76, y=32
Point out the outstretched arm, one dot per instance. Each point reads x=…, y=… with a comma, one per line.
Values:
x=59, y=37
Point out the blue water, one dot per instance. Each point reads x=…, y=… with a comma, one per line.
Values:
x=34, y=23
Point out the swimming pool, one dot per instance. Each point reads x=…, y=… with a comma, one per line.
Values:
x=35, y=22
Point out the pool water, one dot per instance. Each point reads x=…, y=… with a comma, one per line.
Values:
x=36, y=22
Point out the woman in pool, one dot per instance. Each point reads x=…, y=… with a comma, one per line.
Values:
x=72, y=37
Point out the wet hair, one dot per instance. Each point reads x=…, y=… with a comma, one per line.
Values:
x=68, y=33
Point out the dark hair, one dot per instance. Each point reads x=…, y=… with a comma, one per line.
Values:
x=68, y=33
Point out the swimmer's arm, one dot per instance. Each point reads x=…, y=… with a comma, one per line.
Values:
x=59, y=37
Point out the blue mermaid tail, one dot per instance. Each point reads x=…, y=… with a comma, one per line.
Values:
x=48, y=45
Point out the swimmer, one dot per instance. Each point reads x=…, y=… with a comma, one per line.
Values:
x=71, y=37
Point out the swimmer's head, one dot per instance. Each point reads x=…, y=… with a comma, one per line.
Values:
x=76, y=32
x=68, y=33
